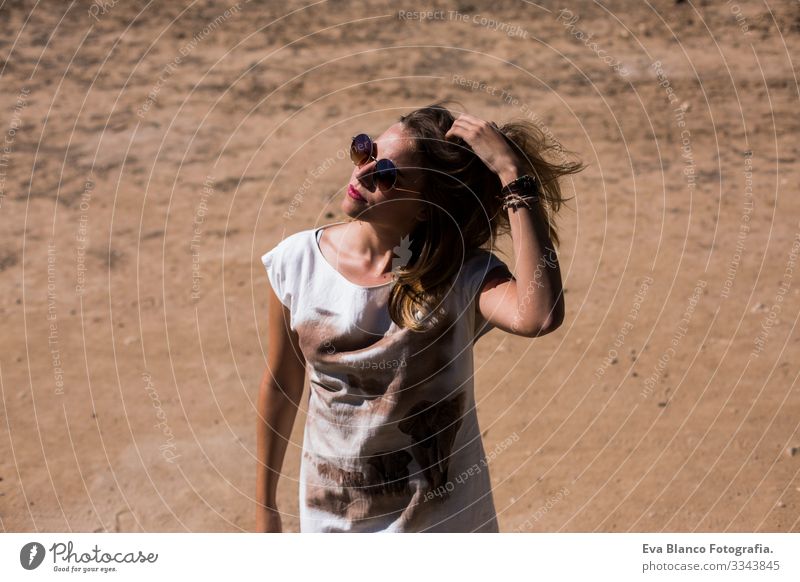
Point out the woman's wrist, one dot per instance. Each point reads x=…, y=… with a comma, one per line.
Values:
x=508, y=174
x=268, y=505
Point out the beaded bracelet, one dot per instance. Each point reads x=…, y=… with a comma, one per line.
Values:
x=515, y=201
x=520, y=192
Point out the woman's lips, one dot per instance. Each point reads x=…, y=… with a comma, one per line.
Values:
x=353, y=193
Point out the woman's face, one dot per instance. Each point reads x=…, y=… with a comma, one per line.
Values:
x=402, y=205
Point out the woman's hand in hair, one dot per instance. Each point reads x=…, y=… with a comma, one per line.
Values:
x=488, y=143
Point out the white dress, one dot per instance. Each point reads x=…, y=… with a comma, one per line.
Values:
x=391, y=442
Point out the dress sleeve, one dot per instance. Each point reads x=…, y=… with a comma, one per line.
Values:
x=274, y=263
x=476, y=270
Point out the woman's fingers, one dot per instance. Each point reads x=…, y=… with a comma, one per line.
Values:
x=461, y=128
x=471, y=128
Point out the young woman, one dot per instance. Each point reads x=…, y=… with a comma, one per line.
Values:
x=392, y=441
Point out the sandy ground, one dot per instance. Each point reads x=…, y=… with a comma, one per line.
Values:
x=152, y=153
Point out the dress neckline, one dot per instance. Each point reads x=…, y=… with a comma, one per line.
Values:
x=317, y=234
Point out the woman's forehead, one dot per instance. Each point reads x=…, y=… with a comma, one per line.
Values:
x=395, y=143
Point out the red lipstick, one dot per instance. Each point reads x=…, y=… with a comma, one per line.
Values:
x=353, y=193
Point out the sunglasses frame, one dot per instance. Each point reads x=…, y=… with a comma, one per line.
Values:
x=379, y=172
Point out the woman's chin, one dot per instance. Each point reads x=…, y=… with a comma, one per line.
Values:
x=353, y=208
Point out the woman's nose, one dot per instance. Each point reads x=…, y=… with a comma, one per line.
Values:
x=366, y=172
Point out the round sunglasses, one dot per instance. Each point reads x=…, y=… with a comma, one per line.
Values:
x=385, y=173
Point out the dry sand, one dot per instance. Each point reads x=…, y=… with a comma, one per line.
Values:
x=152, y=153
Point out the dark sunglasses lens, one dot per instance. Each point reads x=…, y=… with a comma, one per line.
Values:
x=361, y=148
x=385, y=174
